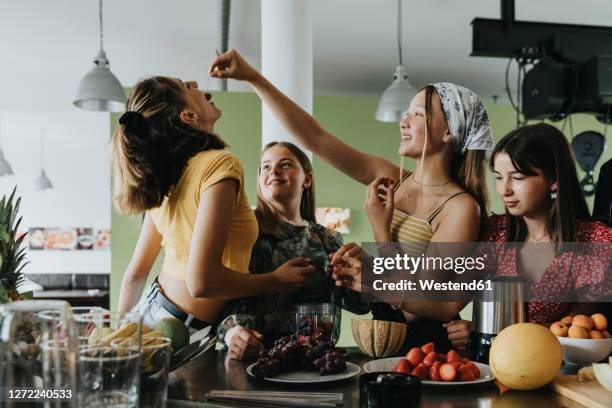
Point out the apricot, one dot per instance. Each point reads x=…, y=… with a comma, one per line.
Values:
x=605, y=334
x=583, y=321
x=559, y=329
x=567, y=320
x=596, y=334
x=599, y=321
x=578, y=332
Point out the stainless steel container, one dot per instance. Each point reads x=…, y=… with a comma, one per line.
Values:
x=505, y=304
x=493, y=310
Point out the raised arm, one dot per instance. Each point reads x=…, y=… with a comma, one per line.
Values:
x=135, y=276
x=360, y=166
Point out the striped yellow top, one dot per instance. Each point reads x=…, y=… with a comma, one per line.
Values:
x=414, y=233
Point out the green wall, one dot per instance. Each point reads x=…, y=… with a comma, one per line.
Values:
x=351, y=119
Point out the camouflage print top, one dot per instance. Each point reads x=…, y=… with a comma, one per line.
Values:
x=274, y=314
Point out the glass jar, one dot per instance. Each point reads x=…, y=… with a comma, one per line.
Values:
x=318, y=320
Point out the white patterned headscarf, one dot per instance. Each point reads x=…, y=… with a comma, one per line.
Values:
x=467, y=118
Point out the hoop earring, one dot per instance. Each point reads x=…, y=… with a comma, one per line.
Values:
x=553, y=195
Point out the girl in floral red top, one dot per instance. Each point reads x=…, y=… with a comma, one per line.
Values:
x=535, y=175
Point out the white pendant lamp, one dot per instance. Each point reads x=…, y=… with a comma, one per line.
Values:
x=100, y=90
x=42, y=182
x=5, y=166
x=396, y=98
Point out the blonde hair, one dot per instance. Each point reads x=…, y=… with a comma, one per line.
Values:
x=468, y=170
x=152, y=146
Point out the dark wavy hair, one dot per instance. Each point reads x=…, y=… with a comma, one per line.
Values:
x=151, y=147
x=544, y=147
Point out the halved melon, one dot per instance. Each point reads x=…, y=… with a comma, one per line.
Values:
x=603, y=374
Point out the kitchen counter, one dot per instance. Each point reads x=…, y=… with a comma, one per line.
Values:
x=213, y=371
x=76, y=297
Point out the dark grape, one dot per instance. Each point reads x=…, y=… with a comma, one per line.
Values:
x=291, y=355
x=319, y=362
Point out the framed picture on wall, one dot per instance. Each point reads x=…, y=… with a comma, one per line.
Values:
x=37, y=238
x=64, y=239
x=85, y=239
x=102, y=239
x=334, y=218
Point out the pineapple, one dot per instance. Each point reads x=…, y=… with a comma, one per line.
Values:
x=12, y=257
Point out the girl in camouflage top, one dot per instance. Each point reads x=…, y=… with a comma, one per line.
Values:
x=287, y=229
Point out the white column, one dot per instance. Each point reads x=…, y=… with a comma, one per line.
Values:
x=286, y=58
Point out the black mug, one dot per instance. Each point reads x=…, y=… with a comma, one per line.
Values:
x=389, y=390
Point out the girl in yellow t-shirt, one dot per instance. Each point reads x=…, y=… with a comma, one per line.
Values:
x=169, y=165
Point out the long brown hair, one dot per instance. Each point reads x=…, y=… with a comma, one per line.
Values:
x=267, y=218
x=544, y=147
x=151, y=150
x=469, y=170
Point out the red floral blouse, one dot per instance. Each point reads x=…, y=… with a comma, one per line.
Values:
x=590, y=277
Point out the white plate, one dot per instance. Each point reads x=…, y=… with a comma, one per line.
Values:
x=304, y=377
x=388, y=364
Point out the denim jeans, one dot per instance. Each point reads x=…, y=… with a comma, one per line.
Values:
x=152, y=311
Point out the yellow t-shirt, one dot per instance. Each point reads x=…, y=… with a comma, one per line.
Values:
x=175, y=218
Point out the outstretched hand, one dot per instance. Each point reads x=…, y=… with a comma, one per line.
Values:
x=230, y=64
x=346, y=271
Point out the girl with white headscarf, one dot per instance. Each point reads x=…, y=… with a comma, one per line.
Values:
x=445, y=130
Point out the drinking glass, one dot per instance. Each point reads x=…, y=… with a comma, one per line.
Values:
x=109, y=363
x=156, y=353
x=37, y=354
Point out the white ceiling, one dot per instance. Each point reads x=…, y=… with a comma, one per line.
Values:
x=46, y=46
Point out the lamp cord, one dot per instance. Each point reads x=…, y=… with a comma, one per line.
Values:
x=42, y=149
x=399, y=29
x=101, y=29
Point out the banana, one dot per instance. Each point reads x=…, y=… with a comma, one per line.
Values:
x=152, y=341
x=94, y=337
x=147, y=367
x=154, y=333
x=125, y=330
